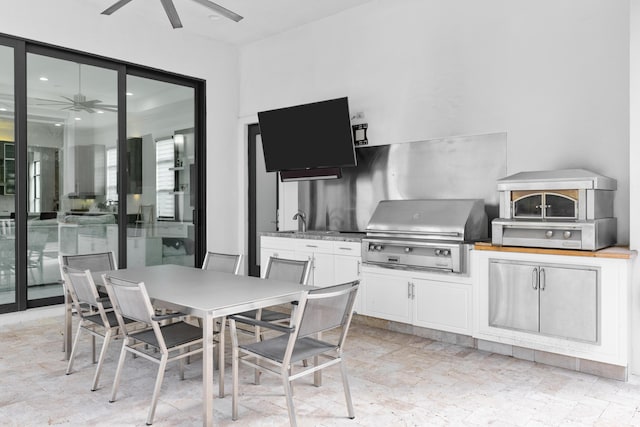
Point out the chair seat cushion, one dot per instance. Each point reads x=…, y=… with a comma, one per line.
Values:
x=111, y=318
x=174, y=334
x=267, y=315
x=274, y=348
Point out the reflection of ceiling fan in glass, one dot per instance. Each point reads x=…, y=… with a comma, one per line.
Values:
x=78, y=102
x=172, y=14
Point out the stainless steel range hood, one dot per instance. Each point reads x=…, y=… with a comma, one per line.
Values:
x=439, y=219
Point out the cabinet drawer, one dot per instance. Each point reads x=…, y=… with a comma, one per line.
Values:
x=347, y=248
x=310, y=245
x=277, y=242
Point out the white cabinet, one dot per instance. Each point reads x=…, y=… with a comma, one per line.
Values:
x=425, y=299
x=332, y=262
x=320, y=253
x=388, y=297
x=347, y=262
x=579, y=309
x=444, y=306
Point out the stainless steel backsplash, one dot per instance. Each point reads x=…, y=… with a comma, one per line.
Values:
x=464, y=167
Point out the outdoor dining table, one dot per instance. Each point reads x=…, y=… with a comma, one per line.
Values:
x=208, y=295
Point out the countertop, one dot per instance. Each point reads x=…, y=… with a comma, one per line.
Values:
x=617, y=252
x=337, y=236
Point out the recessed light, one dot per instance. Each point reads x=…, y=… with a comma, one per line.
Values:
x=214, y=17
x=77, y=118
x=58, y=124
x=44, y=79
x=99, y=111
x=129, y=93
x=3, y=109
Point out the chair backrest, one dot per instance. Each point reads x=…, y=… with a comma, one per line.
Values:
x=129, y=299
x=225, y=263
x=326, y=308
x=288, y=270
x=103, y=261
x=83, y=291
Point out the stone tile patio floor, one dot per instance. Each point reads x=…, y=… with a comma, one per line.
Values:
x=396, y=380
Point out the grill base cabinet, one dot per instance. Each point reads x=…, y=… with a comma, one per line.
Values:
x=425, y=299
x=570, y=305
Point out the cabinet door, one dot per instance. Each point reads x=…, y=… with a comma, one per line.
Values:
x=443, y=305
x=347, y=269
x=266, y=253
x=321, y=267
x=387, y=297
x=569, y=302
x=513, y=296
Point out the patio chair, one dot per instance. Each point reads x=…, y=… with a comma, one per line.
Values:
x=319, y=311
x=226, y=263
x=159, y=343
x=95, y=262
x=95, y=319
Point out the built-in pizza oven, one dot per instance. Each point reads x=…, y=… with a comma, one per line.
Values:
x=570, y=208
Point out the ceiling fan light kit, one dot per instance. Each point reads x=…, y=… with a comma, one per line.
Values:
x=172, y=13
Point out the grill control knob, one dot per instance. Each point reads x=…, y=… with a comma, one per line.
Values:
x=445, y=252
x=549, y=234
x=566, y=234
x=407, y=250
x=371, y=247
x=378, y=247
x=438, y=252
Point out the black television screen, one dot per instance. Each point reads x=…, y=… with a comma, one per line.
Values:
x=309, y=136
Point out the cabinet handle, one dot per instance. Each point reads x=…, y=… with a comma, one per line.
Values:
x=543, y=279
x=311, y=246
x=409, y=290
x=344, y=249
x=359, y=262
x=534, y=278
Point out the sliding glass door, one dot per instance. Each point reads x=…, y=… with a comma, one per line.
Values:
x=95, y=155
x=8, y=295
x=72, y=123
x=161, y=172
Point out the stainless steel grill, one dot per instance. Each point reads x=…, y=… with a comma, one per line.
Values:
x=424, y=234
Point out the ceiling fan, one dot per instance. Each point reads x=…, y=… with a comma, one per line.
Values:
x=172, y=14
x=78, y=102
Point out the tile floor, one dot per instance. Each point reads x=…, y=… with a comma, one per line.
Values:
x=396, y=380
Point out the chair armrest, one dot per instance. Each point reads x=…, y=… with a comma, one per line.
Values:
x=161, y=317
x=103, y=299
x=262, y=324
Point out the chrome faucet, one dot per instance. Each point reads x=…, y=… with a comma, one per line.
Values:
x=302, y=220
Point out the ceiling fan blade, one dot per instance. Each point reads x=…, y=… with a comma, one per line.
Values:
x=172, y=13
x=221, y=10
x=117, y=5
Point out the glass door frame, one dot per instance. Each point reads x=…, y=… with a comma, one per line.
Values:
x=21, y=48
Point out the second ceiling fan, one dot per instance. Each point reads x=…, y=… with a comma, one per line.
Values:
x=172, y=14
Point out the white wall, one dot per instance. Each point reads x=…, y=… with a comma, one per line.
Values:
x=552, y=74
x=79, y=25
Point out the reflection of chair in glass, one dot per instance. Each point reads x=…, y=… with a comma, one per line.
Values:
x=169, y=342
x=94, y=318
x=146, y=215
x=98, y=262
x=319, y=311
x=36, y=241
x=225, y=263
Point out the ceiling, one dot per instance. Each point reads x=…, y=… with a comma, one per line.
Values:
x=262, y=18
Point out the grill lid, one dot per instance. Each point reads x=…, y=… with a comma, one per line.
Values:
x=442, y=219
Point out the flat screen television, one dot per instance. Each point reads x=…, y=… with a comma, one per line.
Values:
x=309, y=136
